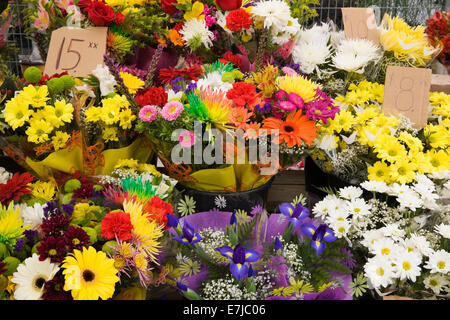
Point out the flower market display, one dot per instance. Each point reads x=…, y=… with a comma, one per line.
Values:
x=147, y=177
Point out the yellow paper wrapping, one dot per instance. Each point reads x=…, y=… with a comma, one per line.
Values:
x=71, y=161
x=213, y=180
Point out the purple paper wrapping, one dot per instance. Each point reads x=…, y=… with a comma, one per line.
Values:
x=273, y=226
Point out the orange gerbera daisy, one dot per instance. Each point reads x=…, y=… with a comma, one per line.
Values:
x=294, y=129
x=252, y=130
x=239, y=116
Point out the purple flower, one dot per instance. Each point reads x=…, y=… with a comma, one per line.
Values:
x=295, y=215
x=278, y=245
x=327, y=294
x=50, y=209
x=258, y=209
x=31, y=235
x=172, y=221
x=348, y=262
x=174, y=81
x=189, y=236
x=19, y=245
x=68, y=208
x=239, y=257
x=176, y=88
x=191, y=87
x=318, y=235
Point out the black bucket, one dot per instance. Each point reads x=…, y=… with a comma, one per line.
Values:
x=228, y=202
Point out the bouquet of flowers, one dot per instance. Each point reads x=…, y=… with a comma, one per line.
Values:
x=362, y=143
x=5, y=21
x=201, y=105
x=399, y=236
x=54, y=125
x=327, y=57
x=54, y=243
x=438, y=32
x=240, y=256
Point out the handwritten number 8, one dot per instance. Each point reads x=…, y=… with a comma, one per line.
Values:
x=406, y=87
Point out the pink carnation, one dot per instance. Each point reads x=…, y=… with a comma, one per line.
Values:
x=172, y=110
x=148, y=113
x=290, y=72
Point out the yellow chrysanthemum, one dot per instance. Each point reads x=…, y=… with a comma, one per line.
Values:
x=44, y=190
x=343, y=121
x=409, y=44
x=389, y=148
x=36, y=96
x=437, y=136
x=439, y=160
x=133, y=83
x=110, y=134
x=126, y=118
x=38, y=131
x=93, y=114
x=146, y=167
x=127, y=164
x=61, y=113
x=380, y=171
x=89, y=275
x=110, y=111
x=11, y=225
x=148, y=232
x=305, y=88
x=16, y=112
x=414, y=144
x=403, y=171
x=59, y=140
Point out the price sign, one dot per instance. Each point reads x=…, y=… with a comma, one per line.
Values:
x=75, y=50
x=407, y=92
x=360, y=23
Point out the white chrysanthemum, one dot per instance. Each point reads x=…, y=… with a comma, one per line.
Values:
x=358, y=207
x=407, y=265
x=443, y=230
x=440, y=175
x=371, y=237
x=353, y=55
x=274, y=13
x=350, y=193
x=397, y=190
x=310, y=55
x=437, y=283
x=393, y=231
x=384, y=247
x=31, y=276
x=418, y=243
x=410, y=200
x=32, y=216
x=322, y=208
x=214, y=81
x=423, y=180
x=340, y=227
x=106, y=79
x=375, y=186
x=195, y=32
x=220, y=202
x=379, y=271
x=4, y=175
x=439, y=261
x=337, y=37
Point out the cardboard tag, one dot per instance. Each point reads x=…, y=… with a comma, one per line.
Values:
x=360, y=23
x=440, y=83
x=407, y=92
x=75, y=50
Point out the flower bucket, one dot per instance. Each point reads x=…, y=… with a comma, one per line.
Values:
x=230, y=201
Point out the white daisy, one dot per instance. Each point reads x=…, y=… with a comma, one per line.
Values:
x=384, y=247
x=337, y=215
x=440, y=175
x=379, y=271
x=371, y=237
x=31, y=276
x=375, y=186
x=195, y=33
x=439, y=261
x=220, y=202
x=274, y=13
x=32, y=216
x=407, y=265
x=353, y=55
x=417, y=243
x=437, y=283
x=393, y=231
x=398, y=189
x=4, y=175
x=350, y=193
x=322, y=208
x=358, y=207
x=171, y=95
x=443, y=230
x=340, y=227
x=410, y=201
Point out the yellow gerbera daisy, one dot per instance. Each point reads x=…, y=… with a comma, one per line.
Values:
x=110, y=111
x=93, y=114
x=403, y=171
x=89, y=275
x=380, y=171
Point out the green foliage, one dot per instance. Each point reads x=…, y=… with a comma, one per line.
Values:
x=359, y=285
x=329, y=190
x=299, y=199
x=300, y=9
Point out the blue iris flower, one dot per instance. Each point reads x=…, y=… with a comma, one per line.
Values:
x=188, y=236
x=318, y=235
x=295, y=214
x=239, y=257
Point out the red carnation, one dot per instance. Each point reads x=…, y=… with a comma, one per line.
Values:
x=243, y=93
x=100, y=14
x=118, y=224
x=15, y=187
x=238, y=20
x=229, y=5
x=119, y=18
x=168, y=6
x=229, y=57
x=155, y=96
x=157, y=210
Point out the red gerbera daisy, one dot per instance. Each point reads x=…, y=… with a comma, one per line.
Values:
x=117, y=224
x=16, y=187
x=53, y=248
x=157, y=210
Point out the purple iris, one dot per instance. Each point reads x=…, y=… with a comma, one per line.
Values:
x=295, y=215
x=172, y=221
x=239, y=257
x=188, y=236
x=318, y=235
x=278, y=245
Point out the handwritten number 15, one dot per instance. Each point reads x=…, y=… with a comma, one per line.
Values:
x=69, y=50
